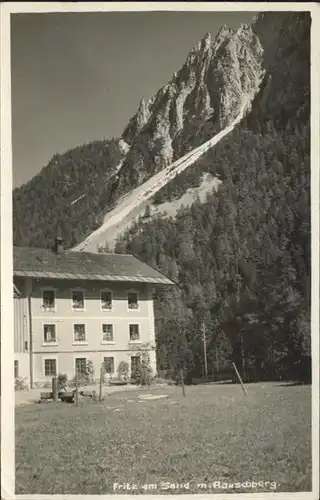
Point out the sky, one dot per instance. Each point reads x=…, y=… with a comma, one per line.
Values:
x=79, y=77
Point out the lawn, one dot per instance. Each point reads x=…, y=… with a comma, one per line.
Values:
x=125, y=445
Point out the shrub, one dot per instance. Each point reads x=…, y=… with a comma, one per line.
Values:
x=85, y=378
x=20, y=384
x=82, y=380
x=162, y=381
x=89, y=371
x=147, y=212
x=123, y=370
x=143, y=374
x=104, y=375
x=62, y=381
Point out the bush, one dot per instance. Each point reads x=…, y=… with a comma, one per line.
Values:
x=123, y=370
x=20, y=384
x=89, y=371
x=147, y=212
x=62, y=381
x=105, y=376
x=86, y=377
x=162, y=381
x=82, y=380
x=143, y=375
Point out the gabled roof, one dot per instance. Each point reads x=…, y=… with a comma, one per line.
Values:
x=45, y=263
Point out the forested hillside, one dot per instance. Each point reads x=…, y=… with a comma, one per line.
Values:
x=242, y=260
x=67, y=197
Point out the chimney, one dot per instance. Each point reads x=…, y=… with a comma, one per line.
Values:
x=58, y=246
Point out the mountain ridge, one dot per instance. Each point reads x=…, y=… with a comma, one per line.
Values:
x=162, y=130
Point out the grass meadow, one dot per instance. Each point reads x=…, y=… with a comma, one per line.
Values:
x=213, y=437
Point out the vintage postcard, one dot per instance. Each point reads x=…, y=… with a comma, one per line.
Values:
x=160, y=249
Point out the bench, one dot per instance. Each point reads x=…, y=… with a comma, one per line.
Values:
x=46, y=395
x=64, y=396
x=67, y=397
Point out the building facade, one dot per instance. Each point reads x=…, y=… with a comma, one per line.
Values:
x=76, y=311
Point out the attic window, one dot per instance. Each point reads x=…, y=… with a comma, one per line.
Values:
x=133, y=301
x=77, y=300
x=106, y=300
x=48, y=300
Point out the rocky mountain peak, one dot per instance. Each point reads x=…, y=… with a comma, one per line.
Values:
x=143, y=114
x=219, y=75
x=207, y=39
x=244, y=28
x=224, y=32
x=203, y=44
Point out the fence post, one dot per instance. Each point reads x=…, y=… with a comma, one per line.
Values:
x=77, y=388
x=55, y=389
x=101, y=380
x=182, y=383
x=240, y=380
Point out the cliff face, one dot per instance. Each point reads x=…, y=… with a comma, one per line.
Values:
x=217, y=78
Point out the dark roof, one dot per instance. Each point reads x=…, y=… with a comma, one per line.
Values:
x=45, y=263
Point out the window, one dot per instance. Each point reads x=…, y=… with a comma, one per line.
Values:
x=133, y=302
x=50, y=367
x=48, y=300
x=79, y=333
x=49, y=333
x=107, y=333
x=25, y=345
x=106, y=301
x=77, y=300
x=16, y=369
x=135, y=363
x=81, y=366
x=134, y=332
x=108, y=364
